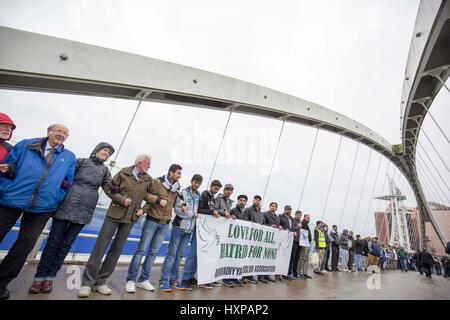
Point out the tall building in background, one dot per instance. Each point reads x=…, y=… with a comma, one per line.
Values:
x=441, y=214
x=383, y=226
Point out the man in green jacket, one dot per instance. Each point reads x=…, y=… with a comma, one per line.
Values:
x=130, y=186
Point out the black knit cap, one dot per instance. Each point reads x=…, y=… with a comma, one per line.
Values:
x=242, y=196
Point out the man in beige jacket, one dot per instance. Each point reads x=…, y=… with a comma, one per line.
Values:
x=160, y=203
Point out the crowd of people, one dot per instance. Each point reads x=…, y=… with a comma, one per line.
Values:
x=41, y=179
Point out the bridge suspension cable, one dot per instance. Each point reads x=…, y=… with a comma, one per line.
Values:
x=443, y=83
x=220, y=148
x=436, y=123
x=432, y=176
x=424, y=177
x=373, y=193
x=349, y=183
x=112, y=163
x=362, y=189
x=432, y=163
x=425, y=186
x=307, y=171
x=434, y=148
x=332, y=177
x=273, y=161
x=383, y=185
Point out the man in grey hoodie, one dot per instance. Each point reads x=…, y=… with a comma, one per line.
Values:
x=186, y=207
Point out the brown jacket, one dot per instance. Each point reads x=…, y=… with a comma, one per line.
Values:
x=131, y=188
x=157, y=193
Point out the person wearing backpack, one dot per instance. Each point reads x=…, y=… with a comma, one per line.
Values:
x=374, y=253
x=73, y=214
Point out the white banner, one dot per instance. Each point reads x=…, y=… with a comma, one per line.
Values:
x=232, y=249
x=303, y=238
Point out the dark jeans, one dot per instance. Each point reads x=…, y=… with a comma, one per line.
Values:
x=31, y=227
x=419, y=267
x=427, y=268
x=351, y=258
x=334, y=256
x=59, y=242
x=326, y=258
x=446, y=272
x=438, y=271
x=293, y=262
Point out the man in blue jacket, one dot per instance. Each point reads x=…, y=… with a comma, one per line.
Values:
x=35, y=177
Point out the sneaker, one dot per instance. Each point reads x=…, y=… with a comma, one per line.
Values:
x=300, y=277
x=146, y=285
x=319, y=272
x=187, y=283
x=324, y=271
x=229, y=283
x=251, y=280
x=237, y=282
x=263, y=280
x=103, y=289
x=271, y=279
x=165, y=287
x=307, y=276
x=206, y=286
x=290, y=277
x=180, y=287
x=84, y=292
x=130, y=287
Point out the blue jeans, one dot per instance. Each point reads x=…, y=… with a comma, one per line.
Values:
x=403, y=263
x=151, y=239
x=359, y=262
x=171, y=266
x=190, y=267
x=62, y=235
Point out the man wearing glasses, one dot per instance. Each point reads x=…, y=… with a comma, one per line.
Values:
x=34, y=179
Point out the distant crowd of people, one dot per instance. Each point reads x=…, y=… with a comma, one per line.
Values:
x=41, y=179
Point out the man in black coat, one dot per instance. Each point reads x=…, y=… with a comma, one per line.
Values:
x=287, y=222
x=427, y=261
x=335, y=243
x=238, y=212
x=360, y=245
x=255, y=215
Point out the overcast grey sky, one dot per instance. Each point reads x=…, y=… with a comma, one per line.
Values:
x=349, y=56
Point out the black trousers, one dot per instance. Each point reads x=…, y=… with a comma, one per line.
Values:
x=351, y=259
x=334, y=257
x=326, y=258
x=295, y=256
x=427, y=268
x=31, y=227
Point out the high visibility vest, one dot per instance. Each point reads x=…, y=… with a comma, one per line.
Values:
x=321, y=239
